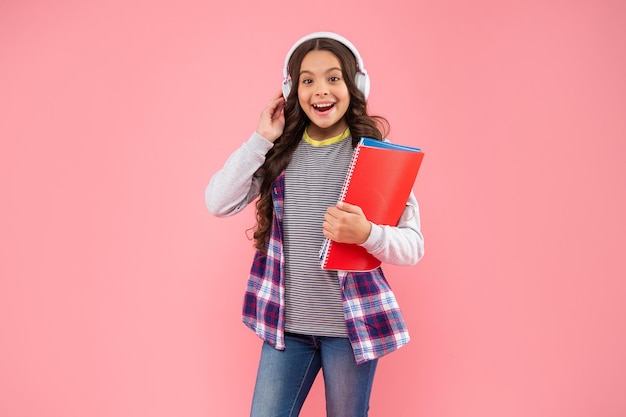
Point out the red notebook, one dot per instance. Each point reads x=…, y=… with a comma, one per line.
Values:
x=379, y=180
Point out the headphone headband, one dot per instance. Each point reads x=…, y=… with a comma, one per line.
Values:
x=361, y=78
x=329, y=35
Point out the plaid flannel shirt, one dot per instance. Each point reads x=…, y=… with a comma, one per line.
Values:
x=373, y=318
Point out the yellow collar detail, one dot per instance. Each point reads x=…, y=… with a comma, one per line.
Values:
x=325, y=142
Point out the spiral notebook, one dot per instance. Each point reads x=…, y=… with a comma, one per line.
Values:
x=379, y=180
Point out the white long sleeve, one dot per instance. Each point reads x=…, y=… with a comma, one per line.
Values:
x=399, y=245
x=233, y=187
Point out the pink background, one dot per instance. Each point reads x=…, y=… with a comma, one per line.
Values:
x=120, y=295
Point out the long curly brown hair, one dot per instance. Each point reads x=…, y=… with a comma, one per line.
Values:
x=361, y=124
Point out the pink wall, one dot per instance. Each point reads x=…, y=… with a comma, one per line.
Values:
x=120, y=294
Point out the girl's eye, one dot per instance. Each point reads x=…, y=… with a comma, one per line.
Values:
x=334, y=78
x=307, y=81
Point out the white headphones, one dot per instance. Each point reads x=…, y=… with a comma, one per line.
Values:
x=361, y=78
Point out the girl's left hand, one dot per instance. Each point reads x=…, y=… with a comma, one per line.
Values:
x=346, y=223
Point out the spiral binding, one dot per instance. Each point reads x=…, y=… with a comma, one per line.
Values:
x=325, y=249
x=346, y=183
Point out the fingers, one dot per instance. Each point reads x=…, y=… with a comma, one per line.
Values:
x=343, y=210
x=350, y=208
x=278, y=109
x=346, y=223
x=275, y=106
x=332, y=212
x=272, y=120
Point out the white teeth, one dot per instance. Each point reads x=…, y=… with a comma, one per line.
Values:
x=323, y=106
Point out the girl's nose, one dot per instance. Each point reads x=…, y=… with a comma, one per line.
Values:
x=322, y=89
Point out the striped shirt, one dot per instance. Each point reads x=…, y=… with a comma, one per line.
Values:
x=373, y=320
x=313, y=182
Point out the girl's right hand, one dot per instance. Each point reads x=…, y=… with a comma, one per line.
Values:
x=272, y=121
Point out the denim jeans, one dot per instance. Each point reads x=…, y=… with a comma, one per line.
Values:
x=285, y=378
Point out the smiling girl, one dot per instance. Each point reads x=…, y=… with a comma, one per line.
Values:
x=295, y=164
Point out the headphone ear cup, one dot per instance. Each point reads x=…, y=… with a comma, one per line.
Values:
x=286, y=88
x=362, y=82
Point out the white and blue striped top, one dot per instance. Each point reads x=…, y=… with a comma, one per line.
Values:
x=313, y=182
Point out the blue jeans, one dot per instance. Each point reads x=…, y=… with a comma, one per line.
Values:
x=285, y=378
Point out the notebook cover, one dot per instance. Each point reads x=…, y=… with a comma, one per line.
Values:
x=379, y=181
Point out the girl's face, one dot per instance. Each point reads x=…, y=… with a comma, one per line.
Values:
x=323, y=94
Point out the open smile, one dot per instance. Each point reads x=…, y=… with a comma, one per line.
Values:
x=323, y=107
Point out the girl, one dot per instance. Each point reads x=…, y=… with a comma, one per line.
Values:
x=295, y=163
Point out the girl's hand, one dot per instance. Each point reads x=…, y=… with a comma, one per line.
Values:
x=272, y=120
x=346, y=223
